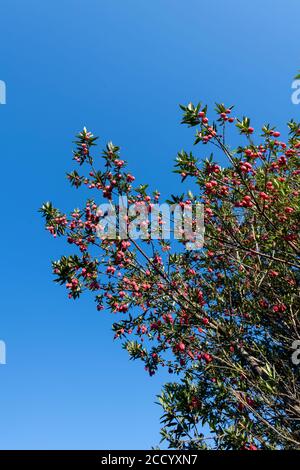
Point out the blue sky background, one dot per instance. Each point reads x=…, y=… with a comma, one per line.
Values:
x=120, y=67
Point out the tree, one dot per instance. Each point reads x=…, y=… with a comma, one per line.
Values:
x=224, y=319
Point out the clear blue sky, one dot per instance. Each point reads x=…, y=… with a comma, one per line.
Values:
x=120, y=67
